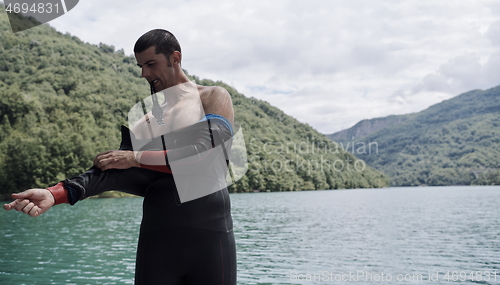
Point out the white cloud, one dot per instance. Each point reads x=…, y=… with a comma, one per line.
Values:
x=328, y=63
x=494, y=33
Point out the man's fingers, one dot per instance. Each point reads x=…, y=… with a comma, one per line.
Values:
x=22, y=195
x=104, y=154
x=105, y=160
x=114, y=159
x=35, y=211
x=21, y=204
x=28, y=207
x=110, y=162
x=101, y=163
x=100, y=157
x=10, y=206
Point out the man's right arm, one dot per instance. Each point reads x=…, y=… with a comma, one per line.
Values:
x=35, y=202
x=133, y=180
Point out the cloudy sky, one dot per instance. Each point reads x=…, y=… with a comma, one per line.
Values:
x=327, y=63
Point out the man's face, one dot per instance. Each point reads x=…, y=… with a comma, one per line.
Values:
x=156, y=68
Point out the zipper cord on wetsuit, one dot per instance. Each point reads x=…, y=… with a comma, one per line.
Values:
x=157, y=111
x=223, y=145
x=145, y=111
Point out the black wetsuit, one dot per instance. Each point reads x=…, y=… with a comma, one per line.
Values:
x=179, y=243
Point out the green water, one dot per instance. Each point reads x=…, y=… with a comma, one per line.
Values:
x=93, y=242
x=282, y=238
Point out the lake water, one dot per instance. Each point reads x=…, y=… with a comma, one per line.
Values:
x=365, y=236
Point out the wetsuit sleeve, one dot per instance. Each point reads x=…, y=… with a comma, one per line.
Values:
x=132, y=180
x=190, y=149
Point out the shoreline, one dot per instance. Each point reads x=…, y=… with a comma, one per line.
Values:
x=118, y=194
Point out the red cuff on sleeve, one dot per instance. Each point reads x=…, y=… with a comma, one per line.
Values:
x=155, y=160
x=60, y=193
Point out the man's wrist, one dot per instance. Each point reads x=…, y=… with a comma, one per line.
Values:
x=137, y=159
x=51, y=197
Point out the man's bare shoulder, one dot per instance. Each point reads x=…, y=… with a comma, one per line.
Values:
x=213, y=92
x=216, y=100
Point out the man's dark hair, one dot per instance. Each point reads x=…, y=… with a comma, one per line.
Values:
x=163, y=41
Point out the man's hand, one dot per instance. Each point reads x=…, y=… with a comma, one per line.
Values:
x=118, y=159
x=33, y=202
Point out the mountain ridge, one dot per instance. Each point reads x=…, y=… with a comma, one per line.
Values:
x=450, y=143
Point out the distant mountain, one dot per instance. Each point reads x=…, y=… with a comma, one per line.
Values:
x=62, y=101
x=455, y=142
x=366, y=127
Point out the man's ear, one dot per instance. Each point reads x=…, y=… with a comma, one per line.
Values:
x=175, y=57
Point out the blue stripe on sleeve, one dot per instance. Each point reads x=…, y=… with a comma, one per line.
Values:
x=224, y=120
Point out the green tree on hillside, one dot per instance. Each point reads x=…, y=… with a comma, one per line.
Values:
x=63, y=101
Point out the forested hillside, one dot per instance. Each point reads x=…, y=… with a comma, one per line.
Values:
x=455, y=142
x=62, y=101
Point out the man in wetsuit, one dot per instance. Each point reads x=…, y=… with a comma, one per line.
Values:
x=179, y=243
